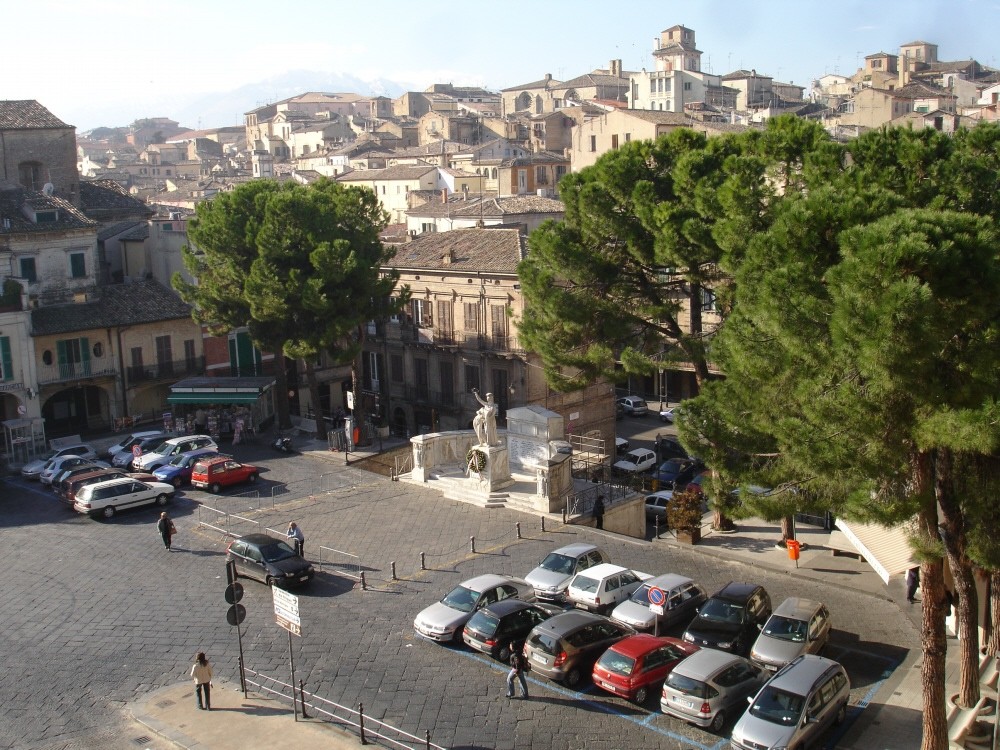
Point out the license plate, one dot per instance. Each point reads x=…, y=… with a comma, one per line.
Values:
x=771, y=667
x=683, y=702
x=581, y=605
x=539, y=659
x=608, y=686
x=304, y=578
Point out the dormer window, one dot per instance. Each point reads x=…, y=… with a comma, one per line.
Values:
x=46, y=217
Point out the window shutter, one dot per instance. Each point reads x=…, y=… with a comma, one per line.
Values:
x=232, y=357
x=8, y=368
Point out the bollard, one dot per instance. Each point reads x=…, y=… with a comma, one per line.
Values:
x=543, y=523
x=392, y=567
x=427, y=739
x=564, y=519
x=472, y=543
x=518, y=527
x=302, y=699
x=361, y=722
x=422, y=566
x=364, y=586
x=656, y=526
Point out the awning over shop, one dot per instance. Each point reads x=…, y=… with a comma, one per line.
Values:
x=215, y=397
x=886, y=550
x=202, y=390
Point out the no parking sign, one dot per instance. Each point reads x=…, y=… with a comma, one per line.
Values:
x=656, y=598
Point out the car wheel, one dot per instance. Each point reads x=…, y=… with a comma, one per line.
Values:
x=841, y=714
x=178, y=482
x=108, y=512
x=572, y=678
x=504, y=653
x=252, y=478
x=641, y=695
x=161, y=499
x=718, y=721
x=214, y=488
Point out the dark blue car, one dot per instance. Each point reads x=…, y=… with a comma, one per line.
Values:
x=178, y=470
x=675, y=473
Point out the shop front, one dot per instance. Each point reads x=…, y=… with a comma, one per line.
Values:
x=233, y=408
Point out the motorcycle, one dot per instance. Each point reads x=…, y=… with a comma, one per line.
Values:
x=283, y=444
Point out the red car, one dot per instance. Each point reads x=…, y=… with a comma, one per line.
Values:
x=635, y=667
x=215, y=472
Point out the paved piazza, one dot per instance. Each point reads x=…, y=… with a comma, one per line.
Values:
x=97, y=614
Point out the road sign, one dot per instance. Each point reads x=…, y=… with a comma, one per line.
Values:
x=286, y=610
x=656, y=596
x=136, y=450
x=236, y=614
x=234, y=592
x=656, y=609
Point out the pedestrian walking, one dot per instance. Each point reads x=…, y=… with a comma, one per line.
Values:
x=599, y=512
x=201, y=671
x=516, y=671
x=166, y=528
x=912, y=582
x=297, y=538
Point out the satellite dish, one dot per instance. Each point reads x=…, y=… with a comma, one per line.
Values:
x=48, y=188
x=22, y=409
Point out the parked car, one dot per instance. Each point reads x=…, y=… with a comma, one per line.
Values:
x=796, y=706
x=134, y=438
x=675, y=473
x=169, y=448
x=554, y=573
x=64, y=477
x=698, y=483
x=69, y=486
x=797, y=626
x=634, y=406
x=269, y=560
x=621, y=446
x=177, y=471
x=636, y=461
x=60, y=467
x=731, y=618
x=635, y=667
x=656, y=506
x=709, y=686
x=682, y=598
x=215, y=472
x=33, y=469
x=123, y=459
x=670, y=447
x=105, y=499
x=446, y=619
x=600, y=588
x=668, y=415
x=498, y=628
x=565, y=647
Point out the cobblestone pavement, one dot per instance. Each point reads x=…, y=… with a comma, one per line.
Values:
x=98, y=613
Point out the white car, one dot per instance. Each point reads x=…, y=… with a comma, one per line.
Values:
x=33, y=469
x=445, y=620
x=126, y=443
x=636, y=461
x=602, y=587
x=56, y=465
x=104, y=499
x=166, y=450
x=668, y=415
x=634, y=406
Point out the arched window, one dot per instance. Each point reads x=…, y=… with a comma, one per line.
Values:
x=523, y=101
x=29, y=174
x=494, y=174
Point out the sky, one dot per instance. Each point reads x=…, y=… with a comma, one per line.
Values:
x=108, y=62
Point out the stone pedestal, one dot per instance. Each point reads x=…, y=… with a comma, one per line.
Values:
x=496, y=475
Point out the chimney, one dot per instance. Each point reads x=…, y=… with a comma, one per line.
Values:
x=444, y=195
x=449, y=257
x=548, y=77
x=656, y=43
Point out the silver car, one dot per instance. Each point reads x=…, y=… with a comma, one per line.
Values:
x=797, y=626
x=446, y=619
x=551, y=578
x=795, y=707
x=708, y=686
x=682, y=598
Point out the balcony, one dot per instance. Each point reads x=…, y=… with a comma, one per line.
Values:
x=68, y=372
x=165, y=370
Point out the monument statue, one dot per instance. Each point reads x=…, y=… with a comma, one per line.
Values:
x=485, y=422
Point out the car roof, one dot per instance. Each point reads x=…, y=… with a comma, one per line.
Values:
x=799, y=675
x=704, y=663
x=797, y=608
x=736, y=592
x=259, y=539
x=111, y=482
x=602, y=570
x=665, y=494
x=566, y=622
x=668, y=581
x=212, y=457
x=637, y=645
x=96, y=473
x=506, y=606
x=574, y=550
x=487, y=581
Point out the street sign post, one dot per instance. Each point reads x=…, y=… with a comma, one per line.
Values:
x=656, y=599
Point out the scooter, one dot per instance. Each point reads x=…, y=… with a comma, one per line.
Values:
x=283, y=444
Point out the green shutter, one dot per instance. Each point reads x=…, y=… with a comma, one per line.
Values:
x=232, y=356
x=63, y=359
x=8, y=368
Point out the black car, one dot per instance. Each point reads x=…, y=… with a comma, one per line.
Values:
x=270, y=560
x=675, y=473
x=494, y=629
x=669, y=447
x=731, y=619
x=565, y=647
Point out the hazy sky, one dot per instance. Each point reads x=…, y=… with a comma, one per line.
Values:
x=108, y=62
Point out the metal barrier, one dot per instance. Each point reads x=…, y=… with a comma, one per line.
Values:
x=227, y=524
x=366, y=726
x=402, y=466
x=344, y=568
x=579, y=504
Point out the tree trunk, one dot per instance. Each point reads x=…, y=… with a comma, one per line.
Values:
x=281, y=387
x=932, y=634
x=720, y=521
x=952, y=532
x=694, y=349
x=993, y=644
x=358, y=413
x=787, y=529
x=314, y=400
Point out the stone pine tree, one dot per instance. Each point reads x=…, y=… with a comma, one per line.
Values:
x=223, y=247
x=319, y=276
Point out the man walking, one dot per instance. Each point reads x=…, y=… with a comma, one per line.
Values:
x=599, y=512
x=297, y=538
x=166, y=528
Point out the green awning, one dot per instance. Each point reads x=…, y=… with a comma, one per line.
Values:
x=213, y=397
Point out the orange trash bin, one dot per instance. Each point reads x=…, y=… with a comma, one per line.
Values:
x=793, y=549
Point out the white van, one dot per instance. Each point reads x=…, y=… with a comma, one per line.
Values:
x=170, y=448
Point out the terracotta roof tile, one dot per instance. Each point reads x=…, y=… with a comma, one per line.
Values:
x=120, y=304
x=14, y=221
x=469, y=250
x=22, y=114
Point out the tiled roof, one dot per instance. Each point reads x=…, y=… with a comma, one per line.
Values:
x=470, y=250
x=115, y=229
x=108, y=195
x=398, y=172
x=659, y=118
x=595, y=79
x=491, y=206
x=536, y=157
x=139, y=233
x=13, y=220
x=737, y=74
x=117, y=305
x=545, y=83
x=22, y=114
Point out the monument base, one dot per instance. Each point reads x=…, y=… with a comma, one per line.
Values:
x=496, y=474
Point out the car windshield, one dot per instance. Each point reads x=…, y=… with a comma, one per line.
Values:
x=275, y=552
x=559, y=563
x=462, y=599
x=181, y=461
x=162, y=448
x=719, y=610
x=687, y=686
x=484, y=622
x=777, y=706
x=785, y=628
x=587, y=585
x=612, y=661
x=641, y=594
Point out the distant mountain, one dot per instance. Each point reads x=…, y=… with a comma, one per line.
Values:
x=228, y=107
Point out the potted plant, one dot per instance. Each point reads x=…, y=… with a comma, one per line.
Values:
x=684, y=514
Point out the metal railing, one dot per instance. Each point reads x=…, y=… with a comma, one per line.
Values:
x=350, y=568
x=366, y=726
x=165, y=370
x=580, y=504
x=402, y=464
